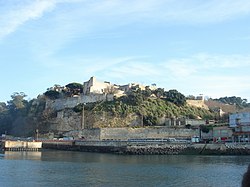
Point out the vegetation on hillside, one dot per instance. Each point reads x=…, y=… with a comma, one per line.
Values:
x=237, y=101
x=151, y=108
x=69, y=90
x=20, y=116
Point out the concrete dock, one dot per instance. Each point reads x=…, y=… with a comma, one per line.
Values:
x=21, y=146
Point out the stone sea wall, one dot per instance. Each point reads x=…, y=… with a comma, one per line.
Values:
x=128, y=148
x=167, y=149
x=192, y=149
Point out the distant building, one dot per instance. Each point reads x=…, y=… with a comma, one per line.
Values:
x=241, y=124
x=192, y=122
x=218, y=134
x=200, y=97
x=239, y=119
x=94, y=86
x=184, y=121
x=223, y=133
x=127, y=87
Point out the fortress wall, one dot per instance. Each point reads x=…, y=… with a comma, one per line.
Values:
x=138, y=133
x=71, y=102
x=91, y=134
x=197, y=103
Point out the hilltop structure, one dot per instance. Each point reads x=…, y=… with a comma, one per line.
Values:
x=94, y=86
x=66, y=119
x=93, y=91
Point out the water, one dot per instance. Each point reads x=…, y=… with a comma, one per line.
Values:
x=59, y=168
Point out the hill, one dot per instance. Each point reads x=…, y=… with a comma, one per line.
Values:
x=135, y=108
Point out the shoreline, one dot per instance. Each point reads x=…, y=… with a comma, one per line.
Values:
x=151, y=149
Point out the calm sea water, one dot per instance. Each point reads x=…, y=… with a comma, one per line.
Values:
x=59, y=168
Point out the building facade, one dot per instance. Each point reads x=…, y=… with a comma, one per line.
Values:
x=95, y=86
x=239, y=119
x=240, y=122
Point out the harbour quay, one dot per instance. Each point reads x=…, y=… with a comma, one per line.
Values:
x=10, y=145
x=149, y=148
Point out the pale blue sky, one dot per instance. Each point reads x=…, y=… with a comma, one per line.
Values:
x=194, y=46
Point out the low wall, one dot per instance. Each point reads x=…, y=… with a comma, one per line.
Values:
x=143, y=133
x=152, y=148
x=132, y=133
x=59, y=145
x=91, y=134
x=101, y=143
x=198, y=103
x=85, y=146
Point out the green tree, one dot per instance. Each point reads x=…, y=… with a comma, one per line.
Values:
x=17, y=101
x=159, y=92
x=204, y=128
x=135, y=96
x=175, y=97
x=73, y=89
x=238, y=101
x=147, y=92
x=51, y=94
x=3, y=107
x=5, y=118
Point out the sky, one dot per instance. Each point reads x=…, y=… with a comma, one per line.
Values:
x=195, y=46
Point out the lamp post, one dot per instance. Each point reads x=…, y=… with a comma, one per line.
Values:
x=37, y=134
x=142, y=120
x=82, y=125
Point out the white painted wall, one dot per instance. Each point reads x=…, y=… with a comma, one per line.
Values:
x=239, y=119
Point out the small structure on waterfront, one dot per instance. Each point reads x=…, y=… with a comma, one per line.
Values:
x=241, y=124
x=222, y=134
x=21, y=146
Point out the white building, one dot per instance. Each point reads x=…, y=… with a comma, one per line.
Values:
x=241, y=124
x=239, y=119
x=94, y=86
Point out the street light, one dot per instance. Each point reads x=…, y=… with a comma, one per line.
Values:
x=82, y=125
x=37, y=134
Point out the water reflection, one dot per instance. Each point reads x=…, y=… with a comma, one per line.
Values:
x=93, y=169
x=69, y=156
x=23, y=155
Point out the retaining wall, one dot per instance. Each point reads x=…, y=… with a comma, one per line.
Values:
x=156, y=148
x=71, y=102
x=132, y=133
x=143, y=133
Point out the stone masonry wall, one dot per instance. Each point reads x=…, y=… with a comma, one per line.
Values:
x=136, y=133
x=71, y=102
x=66, y=120
x=132, y=133
x=197, y=103
x=140, y=133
